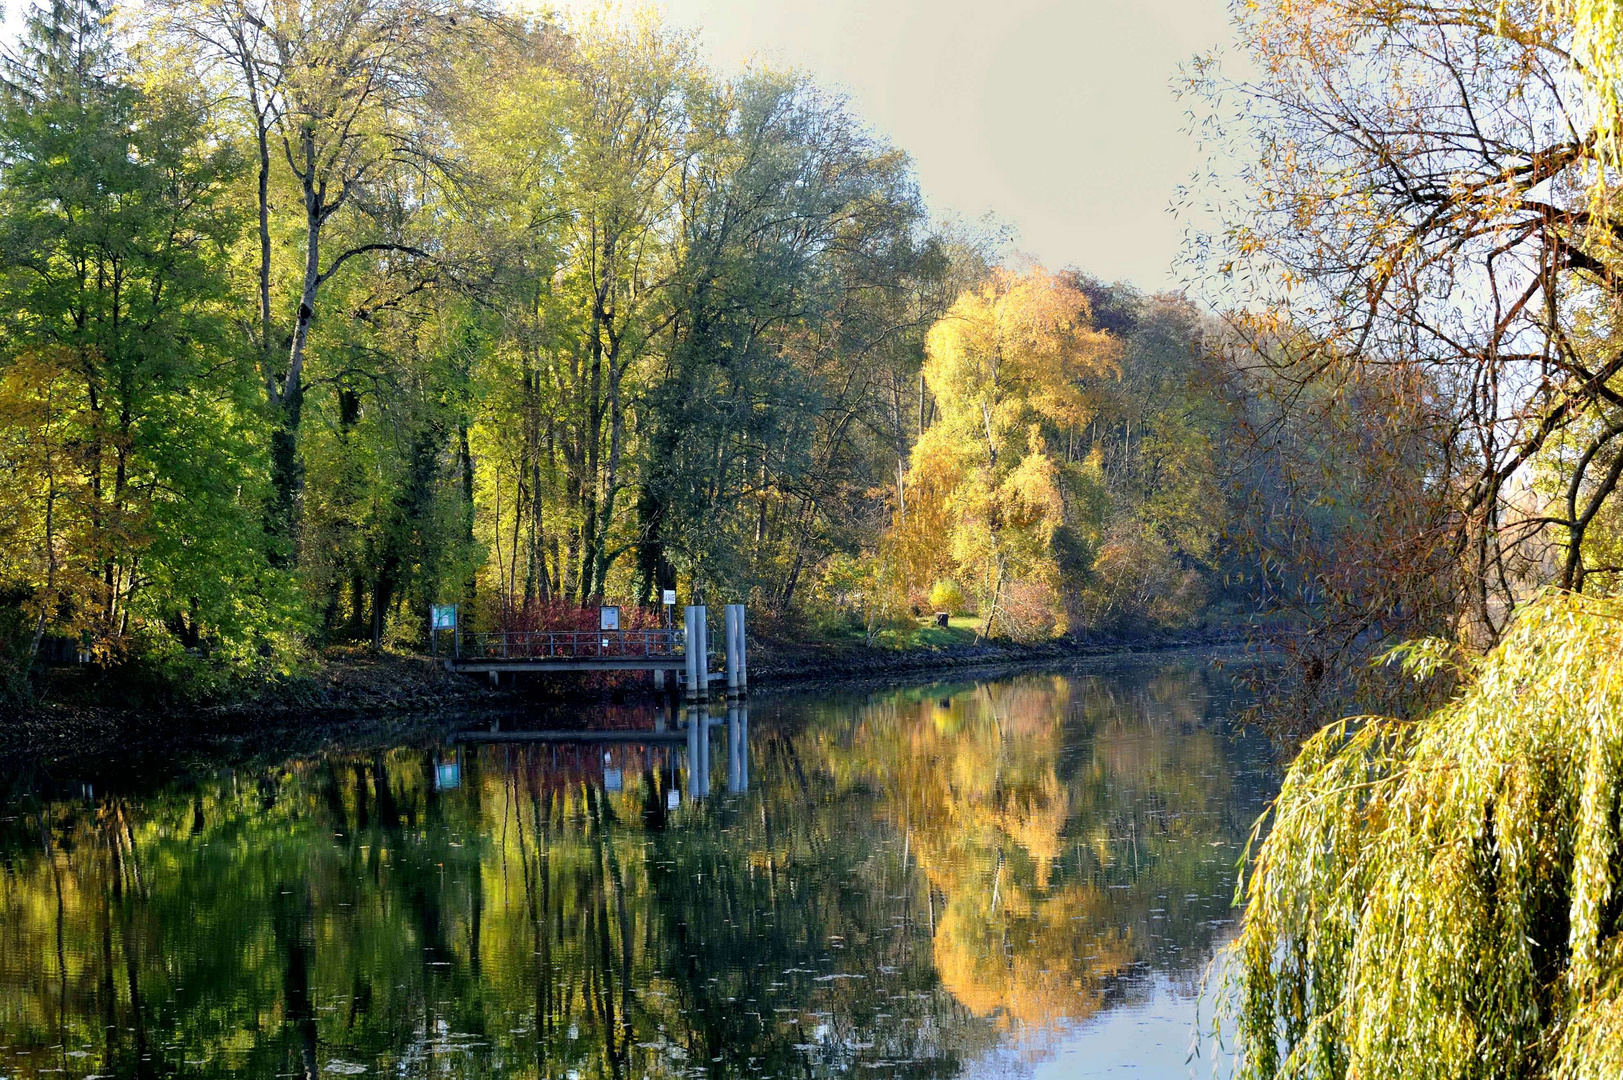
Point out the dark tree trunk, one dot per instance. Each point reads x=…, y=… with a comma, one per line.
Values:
x=287, y=480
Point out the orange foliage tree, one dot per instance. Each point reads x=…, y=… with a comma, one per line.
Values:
x=997, y=498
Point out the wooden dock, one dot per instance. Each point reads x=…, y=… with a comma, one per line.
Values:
x=532, y=652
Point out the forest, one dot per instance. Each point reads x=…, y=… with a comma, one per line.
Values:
x=318, y=315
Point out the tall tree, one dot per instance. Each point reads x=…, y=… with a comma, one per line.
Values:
x=801, y=286
x=134, y=464
x=337, y=97
x=578, y=212
x=1430, y=211
x=1017, y=370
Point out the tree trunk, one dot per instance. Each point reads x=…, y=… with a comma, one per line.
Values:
x=287, y=467
x=611, y=479
x=991, y=611
x=287, y=480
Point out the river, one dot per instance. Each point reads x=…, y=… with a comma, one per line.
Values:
x=1025, y=876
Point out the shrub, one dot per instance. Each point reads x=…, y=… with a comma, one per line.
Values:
x=1028, y=612
x=860, y=594
x=945, y=595
x=1136, y=580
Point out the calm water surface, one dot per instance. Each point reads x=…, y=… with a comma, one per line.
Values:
x=1009, y=878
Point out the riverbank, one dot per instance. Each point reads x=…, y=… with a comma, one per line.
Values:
x=797, y=666
x=359, y=688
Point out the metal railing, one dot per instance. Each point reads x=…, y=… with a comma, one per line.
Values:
x=566, y=644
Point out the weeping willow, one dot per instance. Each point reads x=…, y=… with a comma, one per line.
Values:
x=1441, y=898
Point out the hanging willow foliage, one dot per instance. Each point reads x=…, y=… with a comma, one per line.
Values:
x=1442, y=898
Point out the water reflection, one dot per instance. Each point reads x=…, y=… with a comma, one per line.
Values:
x=906, y=883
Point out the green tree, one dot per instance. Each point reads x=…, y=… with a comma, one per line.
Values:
x=804, y=287
x=338, y=100
x=1438, y=897
x=138, y=461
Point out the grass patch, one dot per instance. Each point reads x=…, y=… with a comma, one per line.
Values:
x=960, y=630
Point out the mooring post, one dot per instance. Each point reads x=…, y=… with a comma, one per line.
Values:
x=730, y=643
x=692, y=648
x=743, y=657
x=693, y=754
x=704, y=653
x=704, y=750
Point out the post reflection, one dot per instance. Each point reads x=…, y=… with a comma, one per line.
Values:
x=738, y=749
x=898, y=883
x=698, y=728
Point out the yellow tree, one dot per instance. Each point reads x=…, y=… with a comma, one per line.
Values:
x=1015, y=367
x=48, y=547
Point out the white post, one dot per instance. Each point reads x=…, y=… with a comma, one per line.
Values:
x=743, y=657
x=690, y=650
x=730, y=642
x=704, y=750
x=696, y=737
x=703, y=653
x=698, y=752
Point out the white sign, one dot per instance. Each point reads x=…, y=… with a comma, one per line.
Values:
x=608, y=618
x=670, y=597
x=444, y=616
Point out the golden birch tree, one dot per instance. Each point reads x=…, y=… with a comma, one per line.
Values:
x=1014, y=366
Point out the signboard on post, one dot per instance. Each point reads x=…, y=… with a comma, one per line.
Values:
x=442, y=617
x=608, y=618
x=670, y=598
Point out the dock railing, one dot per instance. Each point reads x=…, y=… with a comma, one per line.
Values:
x=685, y=652
x=566, y=644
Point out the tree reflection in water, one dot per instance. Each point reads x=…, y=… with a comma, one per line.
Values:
x=897, y=882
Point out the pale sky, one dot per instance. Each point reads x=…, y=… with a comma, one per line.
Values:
x=1056, y=116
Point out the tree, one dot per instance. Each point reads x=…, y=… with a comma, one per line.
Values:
x=1438, y=898
x=586, y=240
x=1425, y=214
x=1015, y=368
x=339, y=92
x=701, y=286
x=1161, y=434
x=115, y=230
x=798, y=291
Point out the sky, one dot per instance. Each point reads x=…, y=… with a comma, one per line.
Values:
x=1058, y=117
